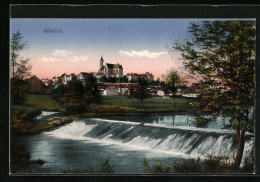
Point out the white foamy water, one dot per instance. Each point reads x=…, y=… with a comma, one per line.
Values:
x=178, y=141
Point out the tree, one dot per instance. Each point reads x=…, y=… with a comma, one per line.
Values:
x=173, y=80
x=221, y=54
x=92, y=94
x=141, y=92
x=19, y=68
x=72, y=100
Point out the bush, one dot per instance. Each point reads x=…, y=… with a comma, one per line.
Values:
x=211, y=164
x=74, y=108
x=109, y=109
x=104, y=167
x=22, y=120
x=18, y=91
x=189, y=166
x=201, y=122
x=156, y=168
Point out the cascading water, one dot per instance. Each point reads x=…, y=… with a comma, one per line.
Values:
x=175, y=140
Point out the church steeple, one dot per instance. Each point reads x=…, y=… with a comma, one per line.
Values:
x=101, y=62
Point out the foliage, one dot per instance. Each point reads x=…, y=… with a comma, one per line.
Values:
x=173, y=80
x=19, y=156
x=92, y=94
x=156, y=168
x=201, y=122
x=50, y=123
x=114, y=79
x=221, y=55
x=19, y=68
x=211, y=164
x=141, y=92
x=22, y=120
x=59, y=92
x=18, y=91
x=74, y=97
x=110, y=109
x=72, y=100
x=104, y=168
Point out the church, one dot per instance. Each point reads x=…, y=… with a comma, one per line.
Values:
x=109, y=70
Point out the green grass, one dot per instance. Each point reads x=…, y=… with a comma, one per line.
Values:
x=42, y=102
x=150, y=104
x=45, y=103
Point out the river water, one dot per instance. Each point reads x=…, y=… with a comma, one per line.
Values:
x=127, y=140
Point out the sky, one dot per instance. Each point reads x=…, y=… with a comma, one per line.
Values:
x=139, y=45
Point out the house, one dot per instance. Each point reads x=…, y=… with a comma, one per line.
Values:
x=34, y=85
x=162, y=93
x=111, y=90
x=82, y=75
x=69, y=78
x=135, y=76
x=109, y=70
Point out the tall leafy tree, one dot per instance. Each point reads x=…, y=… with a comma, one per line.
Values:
x=72, y=98
x=173, y=80
x=92, y=94
x=222, y=55
x=141, y=92
x=19, y=67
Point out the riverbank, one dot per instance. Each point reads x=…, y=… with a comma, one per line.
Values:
x=27, y=121
x=116, y=104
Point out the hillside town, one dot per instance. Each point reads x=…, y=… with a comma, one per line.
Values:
x=111, y=82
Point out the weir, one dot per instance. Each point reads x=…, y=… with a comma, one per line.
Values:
x=183, y=141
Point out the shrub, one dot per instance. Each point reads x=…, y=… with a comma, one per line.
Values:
x=187, y=166
x=106, y=167
x=74, y=108
x=22, y=120
x=18, y=91
x=109, y=109
x=155, y=168
x=201, y=122
x=211, y=164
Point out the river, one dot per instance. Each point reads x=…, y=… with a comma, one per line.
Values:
x=127, y=139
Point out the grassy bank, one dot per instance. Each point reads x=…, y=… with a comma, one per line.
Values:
x=24, y=121
x=48, y=124
x=153, y=104
x=42, y=102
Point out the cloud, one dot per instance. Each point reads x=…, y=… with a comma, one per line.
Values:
x=62, y=53
x=143, y=53
x=76, y=59
x=49, y=59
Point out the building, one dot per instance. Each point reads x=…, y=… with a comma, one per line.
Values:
x=109, y=70
x=135, y=76
x=111, y=90
x=34, y=85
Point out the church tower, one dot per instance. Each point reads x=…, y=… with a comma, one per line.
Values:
x=101, y=63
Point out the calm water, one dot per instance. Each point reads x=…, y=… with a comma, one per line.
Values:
x=182, y=120
x=127, y=140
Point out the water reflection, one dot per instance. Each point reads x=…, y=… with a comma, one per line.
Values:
x=182, y=120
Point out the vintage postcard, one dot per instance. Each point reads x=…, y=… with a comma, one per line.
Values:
x=132, y=96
